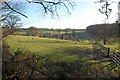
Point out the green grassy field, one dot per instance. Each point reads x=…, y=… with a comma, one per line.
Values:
x=45, y=46
x=58, y=54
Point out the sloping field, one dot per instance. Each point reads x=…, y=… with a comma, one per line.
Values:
x=46, y=46
x=60, y=58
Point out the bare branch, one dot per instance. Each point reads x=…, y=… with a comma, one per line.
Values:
x=15, y=10
x=52, y=6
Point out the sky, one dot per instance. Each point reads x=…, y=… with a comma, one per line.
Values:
x=84, y=13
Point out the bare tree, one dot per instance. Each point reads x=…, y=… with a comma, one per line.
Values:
x=10, y=20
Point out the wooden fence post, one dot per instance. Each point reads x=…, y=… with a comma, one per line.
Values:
x=108, y=52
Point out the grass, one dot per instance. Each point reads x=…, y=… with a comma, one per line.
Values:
x=57, y=53
x=113, y=44
x=45, y=46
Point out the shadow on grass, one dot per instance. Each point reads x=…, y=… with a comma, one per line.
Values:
x=79, y=51
x=21, y=66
